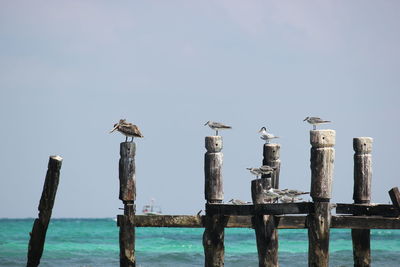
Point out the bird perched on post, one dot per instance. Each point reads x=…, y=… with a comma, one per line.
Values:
x=266, y=135
x=265, y=169
x=128, y=129
x=315, y=121
x=217, y=126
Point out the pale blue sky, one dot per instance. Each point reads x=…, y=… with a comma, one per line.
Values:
x=70, y=69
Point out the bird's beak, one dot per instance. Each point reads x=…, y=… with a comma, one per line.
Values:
x=206, y=123
x=305, y=119
x=115, y=128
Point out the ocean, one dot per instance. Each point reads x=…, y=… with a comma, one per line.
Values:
x=94, y=242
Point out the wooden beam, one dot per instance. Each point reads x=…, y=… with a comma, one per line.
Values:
x=395, y=197
x=282, y=222
x=261, y=209
x=367, y=209
x=364, y=222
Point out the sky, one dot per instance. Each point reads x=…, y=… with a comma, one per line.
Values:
x=69, y=70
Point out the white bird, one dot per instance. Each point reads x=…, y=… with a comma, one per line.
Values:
x=265, y=169
x=266, y=135
x=294, y=192
x=237, y=202
x=287, y=199
x=315, y=121
x=272, y=193
x=217, y=126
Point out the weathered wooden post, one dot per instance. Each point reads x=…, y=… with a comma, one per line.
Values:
x=39, y=229
x=271, y=153
x=322, y=159
x=213, y=237
x=127, y=193
x=362, y=195
x=264, y=225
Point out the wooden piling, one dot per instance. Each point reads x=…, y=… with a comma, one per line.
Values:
x=38, y=234
x=264, y=226
x=127, y=193
x=213, y=237
x=322, y=159
x=362, y=195
x=394, y=194
x=271, y=153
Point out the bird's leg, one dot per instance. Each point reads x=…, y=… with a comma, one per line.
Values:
x=126, y=138
x=314, y=127
x=216, y=132
x=132, y=140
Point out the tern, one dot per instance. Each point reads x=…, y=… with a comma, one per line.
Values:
x=265, y=169
x=266, y=136
x=315, y=121
x=237, y=202
x=128, y=129
x=217, y=126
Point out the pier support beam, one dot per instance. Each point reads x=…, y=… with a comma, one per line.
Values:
x=362, y=195
x=127, y=193
x=322, y=159
x=213, y=237
x=39, y=230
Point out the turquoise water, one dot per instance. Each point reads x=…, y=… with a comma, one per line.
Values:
x=94, y=242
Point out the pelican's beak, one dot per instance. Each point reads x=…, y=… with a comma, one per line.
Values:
x=115, y=128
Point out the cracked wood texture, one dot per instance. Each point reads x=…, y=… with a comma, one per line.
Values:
x=127, y=172
x=213, y=237
x=38, y=234
x=264, y=226
x=213, y=158
x=127, y=193
x=322, y=159
x=271, y=154
x=362, y=195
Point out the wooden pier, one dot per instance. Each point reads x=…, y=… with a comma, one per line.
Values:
x=266, y=218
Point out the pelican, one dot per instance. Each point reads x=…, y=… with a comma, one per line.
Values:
x=266, y=136
x=128, y=129
x=315, y=121
x=217, y=126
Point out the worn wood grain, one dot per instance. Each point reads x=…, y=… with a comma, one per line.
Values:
x=265, y=229
x=264, y=209
x=127, y=172
x=367, y=209
x=213, y=240
x=362, y=169
x=318, y=235
x=362, y=194
x=395, y=197
x=126, y=240
x=213, y=159
x=322, y=159
x=39, y=229
x=271, y=157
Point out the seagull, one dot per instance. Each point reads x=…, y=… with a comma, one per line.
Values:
x=237, y=202
x=273, y=193
x=287, y=199
x=266, y=136
x=294, y=192
x=315, y=121
x=265, y=169
x=217, y=126
x=128, y=129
